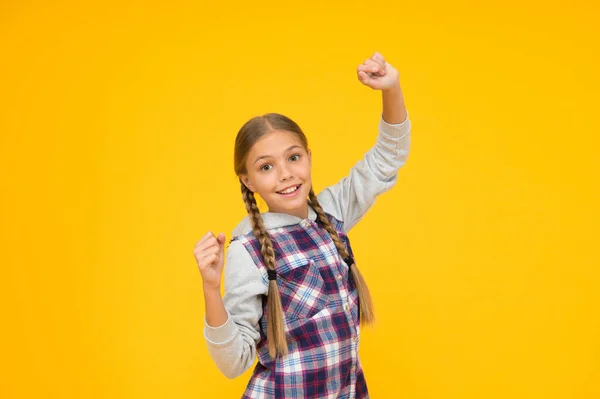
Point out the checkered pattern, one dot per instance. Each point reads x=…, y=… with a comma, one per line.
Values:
x=320, y=304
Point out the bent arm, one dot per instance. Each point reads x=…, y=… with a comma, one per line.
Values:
x=216, y=314
x=377, y=172
x=232, y=344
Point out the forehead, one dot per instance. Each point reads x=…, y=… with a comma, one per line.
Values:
x=273, y=144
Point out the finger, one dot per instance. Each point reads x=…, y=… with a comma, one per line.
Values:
x=212, y=250
x=373, y=66
x=380, y=62
x=207, y=261
x=369, y=81
x=379, y=58
x=368, y=69
x=201, y=253
x=204, y=238
x=210, y=260
x=207, y=246
x=208, y=242
x=370, y=63
x=363, y=68
x=364, y=78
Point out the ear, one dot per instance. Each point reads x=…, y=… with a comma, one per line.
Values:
x=247, y=183
x=309, y=157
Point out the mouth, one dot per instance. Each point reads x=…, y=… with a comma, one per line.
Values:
x=290, y=191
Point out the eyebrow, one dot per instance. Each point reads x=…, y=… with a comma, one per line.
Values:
x=270, y=156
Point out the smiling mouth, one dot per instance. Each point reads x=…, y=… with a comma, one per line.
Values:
x=290, y=190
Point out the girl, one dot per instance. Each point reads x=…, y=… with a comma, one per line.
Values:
x=293, y=294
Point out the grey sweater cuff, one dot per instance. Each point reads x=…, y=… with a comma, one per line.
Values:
x=220, y=335
x=392, y=130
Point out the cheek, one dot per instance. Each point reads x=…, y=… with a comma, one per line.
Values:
x=305, y=170
x=267, y=181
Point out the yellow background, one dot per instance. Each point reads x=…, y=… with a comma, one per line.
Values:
x=117, y=124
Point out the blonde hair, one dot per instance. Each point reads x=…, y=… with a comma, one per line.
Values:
x=251, y=132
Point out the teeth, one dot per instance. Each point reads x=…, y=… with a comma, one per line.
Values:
x=289, y=190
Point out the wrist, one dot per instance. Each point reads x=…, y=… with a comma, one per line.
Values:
x=211, y=289
x=394, y=89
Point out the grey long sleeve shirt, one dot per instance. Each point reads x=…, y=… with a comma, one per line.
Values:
x=233, y=344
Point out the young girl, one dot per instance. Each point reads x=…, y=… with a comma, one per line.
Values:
x=293, y=293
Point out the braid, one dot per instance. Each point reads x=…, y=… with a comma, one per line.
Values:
x=275, y=327
x=366, y=303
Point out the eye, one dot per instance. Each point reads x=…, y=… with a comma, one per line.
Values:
x=265, y=166
x=295, y=157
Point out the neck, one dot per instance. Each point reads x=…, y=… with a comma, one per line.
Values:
x=299, y=213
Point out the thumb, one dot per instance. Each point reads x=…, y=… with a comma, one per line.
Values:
x=367, y=80
x=221, y=240
x=363, y=77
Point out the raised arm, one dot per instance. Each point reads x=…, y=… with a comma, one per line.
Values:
x=377, y=172
x=394, y=110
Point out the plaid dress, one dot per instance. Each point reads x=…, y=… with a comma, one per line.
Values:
x=321, y=316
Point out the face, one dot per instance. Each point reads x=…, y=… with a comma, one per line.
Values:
x=276, y=165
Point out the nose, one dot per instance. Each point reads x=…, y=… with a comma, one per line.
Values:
x=284, y=173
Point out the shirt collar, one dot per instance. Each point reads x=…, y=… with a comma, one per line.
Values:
x=272, y=220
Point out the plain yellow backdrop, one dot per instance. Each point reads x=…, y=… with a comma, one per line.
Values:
x=117, y=123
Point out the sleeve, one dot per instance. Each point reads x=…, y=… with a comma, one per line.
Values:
x=376, y=173
x=232, y=346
